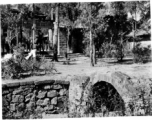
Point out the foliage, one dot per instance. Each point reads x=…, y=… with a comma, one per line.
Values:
x=106, y=50
x=10, y=69
x=142, y=54
x=15, y=67
x=140, y=104
x=105, y=101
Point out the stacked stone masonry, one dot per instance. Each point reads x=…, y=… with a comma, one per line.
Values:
x=69, y=96
x=26, y=99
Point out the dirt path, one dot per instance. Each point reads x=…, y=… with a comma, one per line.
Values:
x=81, y=65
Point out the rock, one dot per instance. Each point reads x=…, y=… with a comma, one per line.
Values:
x=5, y=110
x=46, y=102
x=4, y=101
x=76, y=92
x=12, y=107
x=11, y=89
x=39, y=109
x=4, y=92
x=17, y=98
x=32, y=117
x=60, y=104
x=44, y=82
x=47, y=87
x=4, y=86
x=52, y=112
x=49, y=107
x=52, y=93
x=18, y=91
x=33, y=98
x=27, y=91
x=18, y=114
x=27, y=86
x=62, y=92
x=27, y=83
x=30, y=106
x=8, y=115
x=56, y=87
x=41, y=94
x=21, y=107
x=9, y=97
x=62, y=82
x=54, y=101
x=15, y=84
x=39, y=102
x=28, y=97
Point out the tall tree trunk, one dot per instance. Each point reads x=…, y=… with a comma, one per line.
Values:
x=92, y=46
x=9, y=39
x=16, y=35
x=91, y=49
x=55, y=35
x=68, y=38
x=134, y=32
x=21, y=30
x=94, y=53
x=34, y=27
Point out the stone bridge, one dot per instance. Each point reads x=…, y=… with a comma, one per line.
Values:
x=68, y=95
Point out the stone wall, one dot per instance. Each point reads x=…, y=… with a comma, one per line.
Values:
x=70, y=96
x=34, y=98
x=79, y=95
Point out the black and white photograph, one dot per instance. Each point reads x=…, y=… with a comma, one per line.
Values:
x=76, y=59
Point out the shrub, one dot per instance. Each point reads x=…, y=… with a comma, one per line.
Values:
x=107, y=50
x=87, y=51
x=140, y=104
x=141, y=54
x=13, y=68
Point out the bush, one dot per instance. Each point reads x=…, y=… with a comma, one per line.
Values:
x=108, y=50
x=86, y=51
x=11, y=69
x=14, y=68
x=140, y=104
x=141, y=54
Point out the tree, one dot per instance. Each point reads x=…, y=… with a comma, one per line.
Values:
x=12, y=18
x=48, y=9
x=112, y=28
x=140, y=15
x=89, y=19
x=69, y=13
x=123, y=27
x=9, y=21
x=55, y=35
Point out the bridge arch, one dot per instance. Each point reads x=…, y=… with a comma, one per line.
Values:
x=100, y=84
x=106, y=97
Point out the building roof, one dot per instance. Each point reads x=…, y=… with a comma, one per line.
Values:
x=139, y=32
x=141, y=35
